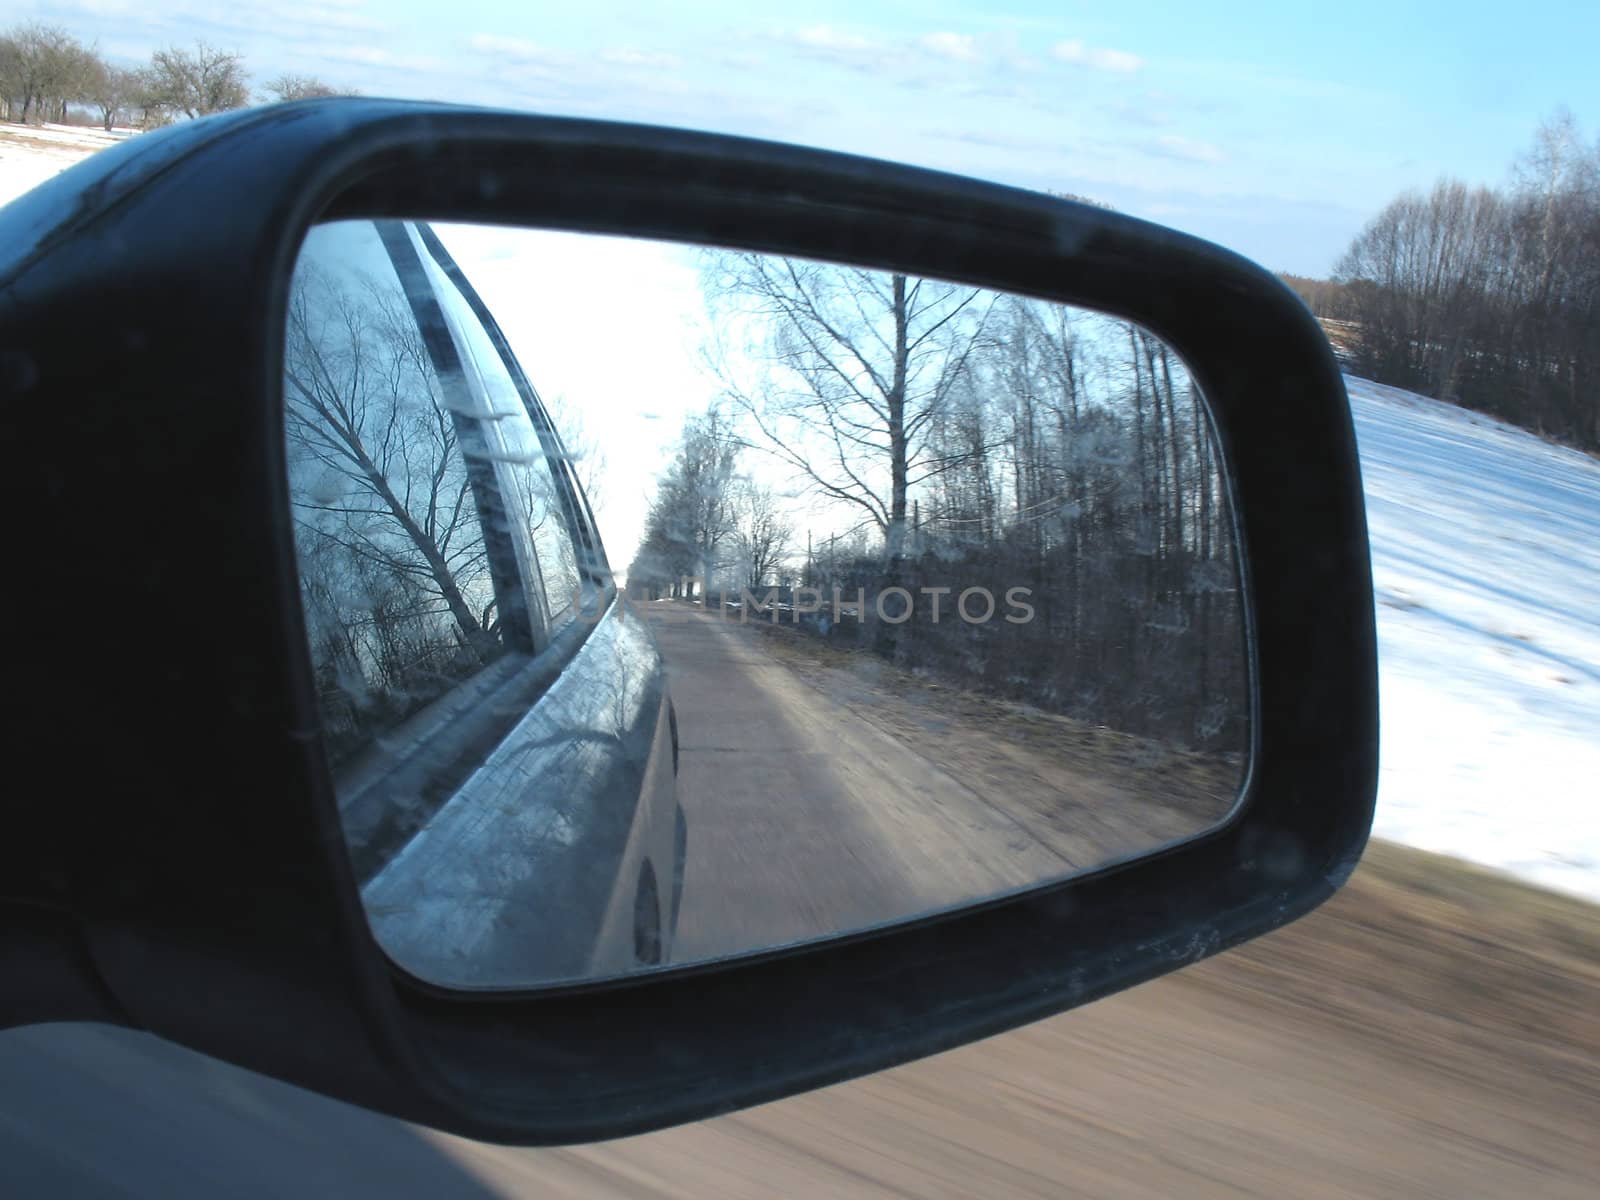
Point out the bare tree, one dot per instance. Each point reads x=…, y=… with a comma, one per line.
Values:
x=144, y=102
x=13, y=75
x=1429, y=258
x=198, y=82
x=1083, y=474
x=1323, y=297
x=583, y=449
x=112, y=90
x=291, y=86
x=379, y=449
x=693, y=520
x=765, y=534
x=79, y=67
x=1000, y=446
x=43, y=69
x=854, y=369
x=1491, y=297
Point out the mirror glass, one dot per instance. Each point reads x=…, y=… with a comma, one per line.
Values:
x=669, y=603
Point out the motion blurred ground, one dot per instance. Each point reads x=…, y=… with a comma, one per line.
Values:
x=1430, y=1032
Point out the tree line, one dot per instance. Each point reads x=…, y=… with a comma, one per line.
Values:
x=965, y=440
x=712, y=524
x=1486, y=297
x=46, y=73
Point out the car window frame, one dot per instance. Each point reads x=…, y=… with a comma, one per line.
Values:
x=593, y=564
x=470, y=717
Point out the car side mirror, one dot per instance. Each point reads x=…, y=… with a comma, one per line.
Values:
x=405, y=769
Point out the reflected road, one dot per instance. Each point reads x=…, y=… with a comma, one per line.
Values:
x=824, y=796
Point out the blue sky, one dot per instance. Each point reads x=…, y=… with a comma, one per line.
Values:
x=1275, y=129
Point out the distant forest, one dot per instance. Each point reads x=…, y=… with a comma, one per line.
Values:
x=1485, y=297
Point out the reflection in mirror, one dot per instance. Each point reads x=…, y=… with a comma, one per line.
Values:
x=918, y=594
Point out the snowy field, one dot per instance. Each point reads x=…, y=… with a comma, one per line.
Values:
x=1486, y=550
x=29, y=155
x=1486, y=553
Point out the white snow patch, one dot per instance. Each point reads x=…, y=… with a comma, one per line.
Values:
x=30, y=154
x=80, y=137
x=1486, y=562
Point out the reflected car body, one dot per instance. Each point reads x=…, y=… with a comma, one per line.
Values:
x=499, y=728
x=564, y=851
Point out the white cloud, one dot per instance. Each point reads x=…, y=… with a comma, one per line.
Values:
x=997, y=141
x=1101, y=59
x=851, y=51
x=290, y=20
x=826, y=37
x=1138, y=114
x=328, y=15
x=518, y=49
x=1170, y=145
x=629, y=57
x=372, y=56
x=99, y=8
x=958, y=47
x=917, y=61
x=743, y=60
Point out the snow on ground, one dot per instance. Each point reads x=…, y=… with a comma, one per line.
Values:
x=1486, y=557
x=82, y=138
x=1486, y=554
x=31, y=154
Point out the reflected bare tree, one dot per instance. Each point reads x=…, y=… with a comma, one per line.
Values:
x=855, y=369
x=765, y=533
x=392, y=554
x=999, y=443
x=692, y=526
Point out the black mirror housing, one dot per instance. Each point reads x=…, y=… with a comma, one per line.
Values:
x=180, y=866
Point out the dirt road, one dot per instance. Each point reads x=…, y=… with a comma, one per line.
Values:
x=830, y=792
x=1433, y=1031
